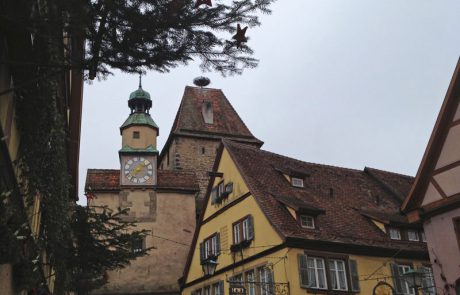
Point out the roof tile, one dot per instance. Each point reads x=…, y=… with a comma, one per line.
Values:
x=226, y=120
x=109, y=180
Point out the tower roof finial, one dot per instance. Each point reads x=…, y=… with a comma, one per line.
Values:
x=140, y=80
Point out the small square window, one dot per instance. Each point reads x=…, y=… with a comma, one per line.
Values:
x=395, y=234
x=297, y=182
x=136, y=134
x=138, y=245
x=307, y=221
x=412, y=235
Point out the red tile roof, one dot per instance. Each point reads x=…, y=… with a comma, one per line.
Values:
x=109, y=180
x=344, y=194
x=102, y=180
x=226, y=121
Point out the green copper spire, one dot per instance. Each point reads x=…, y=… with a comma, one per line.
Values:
x=139, y=100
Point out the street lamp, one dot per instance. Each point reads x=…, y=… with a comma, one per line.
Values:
x=209, y=267
x=413, y=278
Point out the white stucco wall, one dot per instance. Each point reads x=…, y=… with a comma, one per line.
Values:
x=443, y=248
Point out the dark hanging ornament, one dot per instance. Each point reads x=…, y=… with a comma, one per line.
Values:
x=201, y=81
x=240, y=37
x=200, y=2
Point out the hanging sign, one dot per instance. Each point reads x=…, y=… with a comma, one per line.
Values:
x=237, y=290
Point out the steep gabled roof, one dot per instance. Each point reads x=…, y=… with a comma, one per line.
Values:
x=435, y=145
x=344, y=200
x=344, y=194
x=226, y=121
x=105, y=180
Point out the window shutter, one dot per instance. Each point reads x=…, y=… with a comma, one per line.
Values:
x=397, y=283
x=213, y=195
x=202, y=254
x=221, y=288
x=354, y=275
x=250, y=227
x=303, y=271
x=218, y=244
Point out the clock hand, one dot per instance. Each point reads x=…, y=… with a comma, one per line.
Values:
x=138, y=169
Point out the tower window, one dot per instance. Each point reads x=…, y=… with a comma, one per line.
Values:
x=138, y=245
x=203, y=150
x=136, y=134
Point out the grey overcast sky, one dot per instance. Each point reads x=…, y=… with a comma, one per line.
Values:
x=350, y=83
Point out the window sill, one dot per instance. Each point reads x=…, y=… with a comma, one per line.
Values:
x=240, y=246
x=213, y=258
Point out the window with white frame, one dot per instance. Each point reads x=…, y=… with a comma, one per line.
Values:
x=313, y=270
x=412, y=235
x=250, y=279
x=218, y=288
x=266, y=281
x=237, y=280
x=307, y=221
x=338, y=275
x=401, y=285
x=316, y=273
x=210, y=247
x=297, y=182
x=395, y=234
x=207, y=290
x=243, y=230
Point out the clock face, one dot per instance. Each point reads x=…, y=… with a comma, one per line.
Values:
x=138, y=170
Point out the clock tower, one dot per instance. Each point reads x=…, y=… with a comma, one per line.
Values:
x=138, y=155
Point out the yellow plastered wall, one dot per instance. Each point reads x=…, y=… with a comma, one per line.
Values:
x=231, y=174
x=148, y=136
x=264, y=234
x=275, y=261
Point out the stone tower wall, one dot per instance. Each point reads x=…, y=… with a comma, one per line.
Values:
x=195, y=154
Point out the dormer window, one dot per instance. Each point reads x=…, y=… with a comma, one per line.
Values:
x=307, y=221
x=207, y=112
x=395, y=234
x=412, y=235
x=297, y=182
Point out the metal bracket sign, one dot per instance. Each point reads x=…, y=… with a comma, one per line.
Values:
x=237, y=290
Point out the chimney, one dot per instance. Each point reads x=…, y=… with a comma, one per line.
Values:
x=206, y=110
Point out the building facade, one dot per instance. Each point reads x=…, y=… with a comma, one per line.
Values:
x=16, y=44
x=276, y=225
x=435, y=197
x=160, y=201
x=205, y=116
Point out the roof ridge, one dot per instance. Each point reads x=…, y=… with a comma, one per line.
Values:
x=390, y=172
x=294, y=159
x=98, y=169
x=178, y=114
